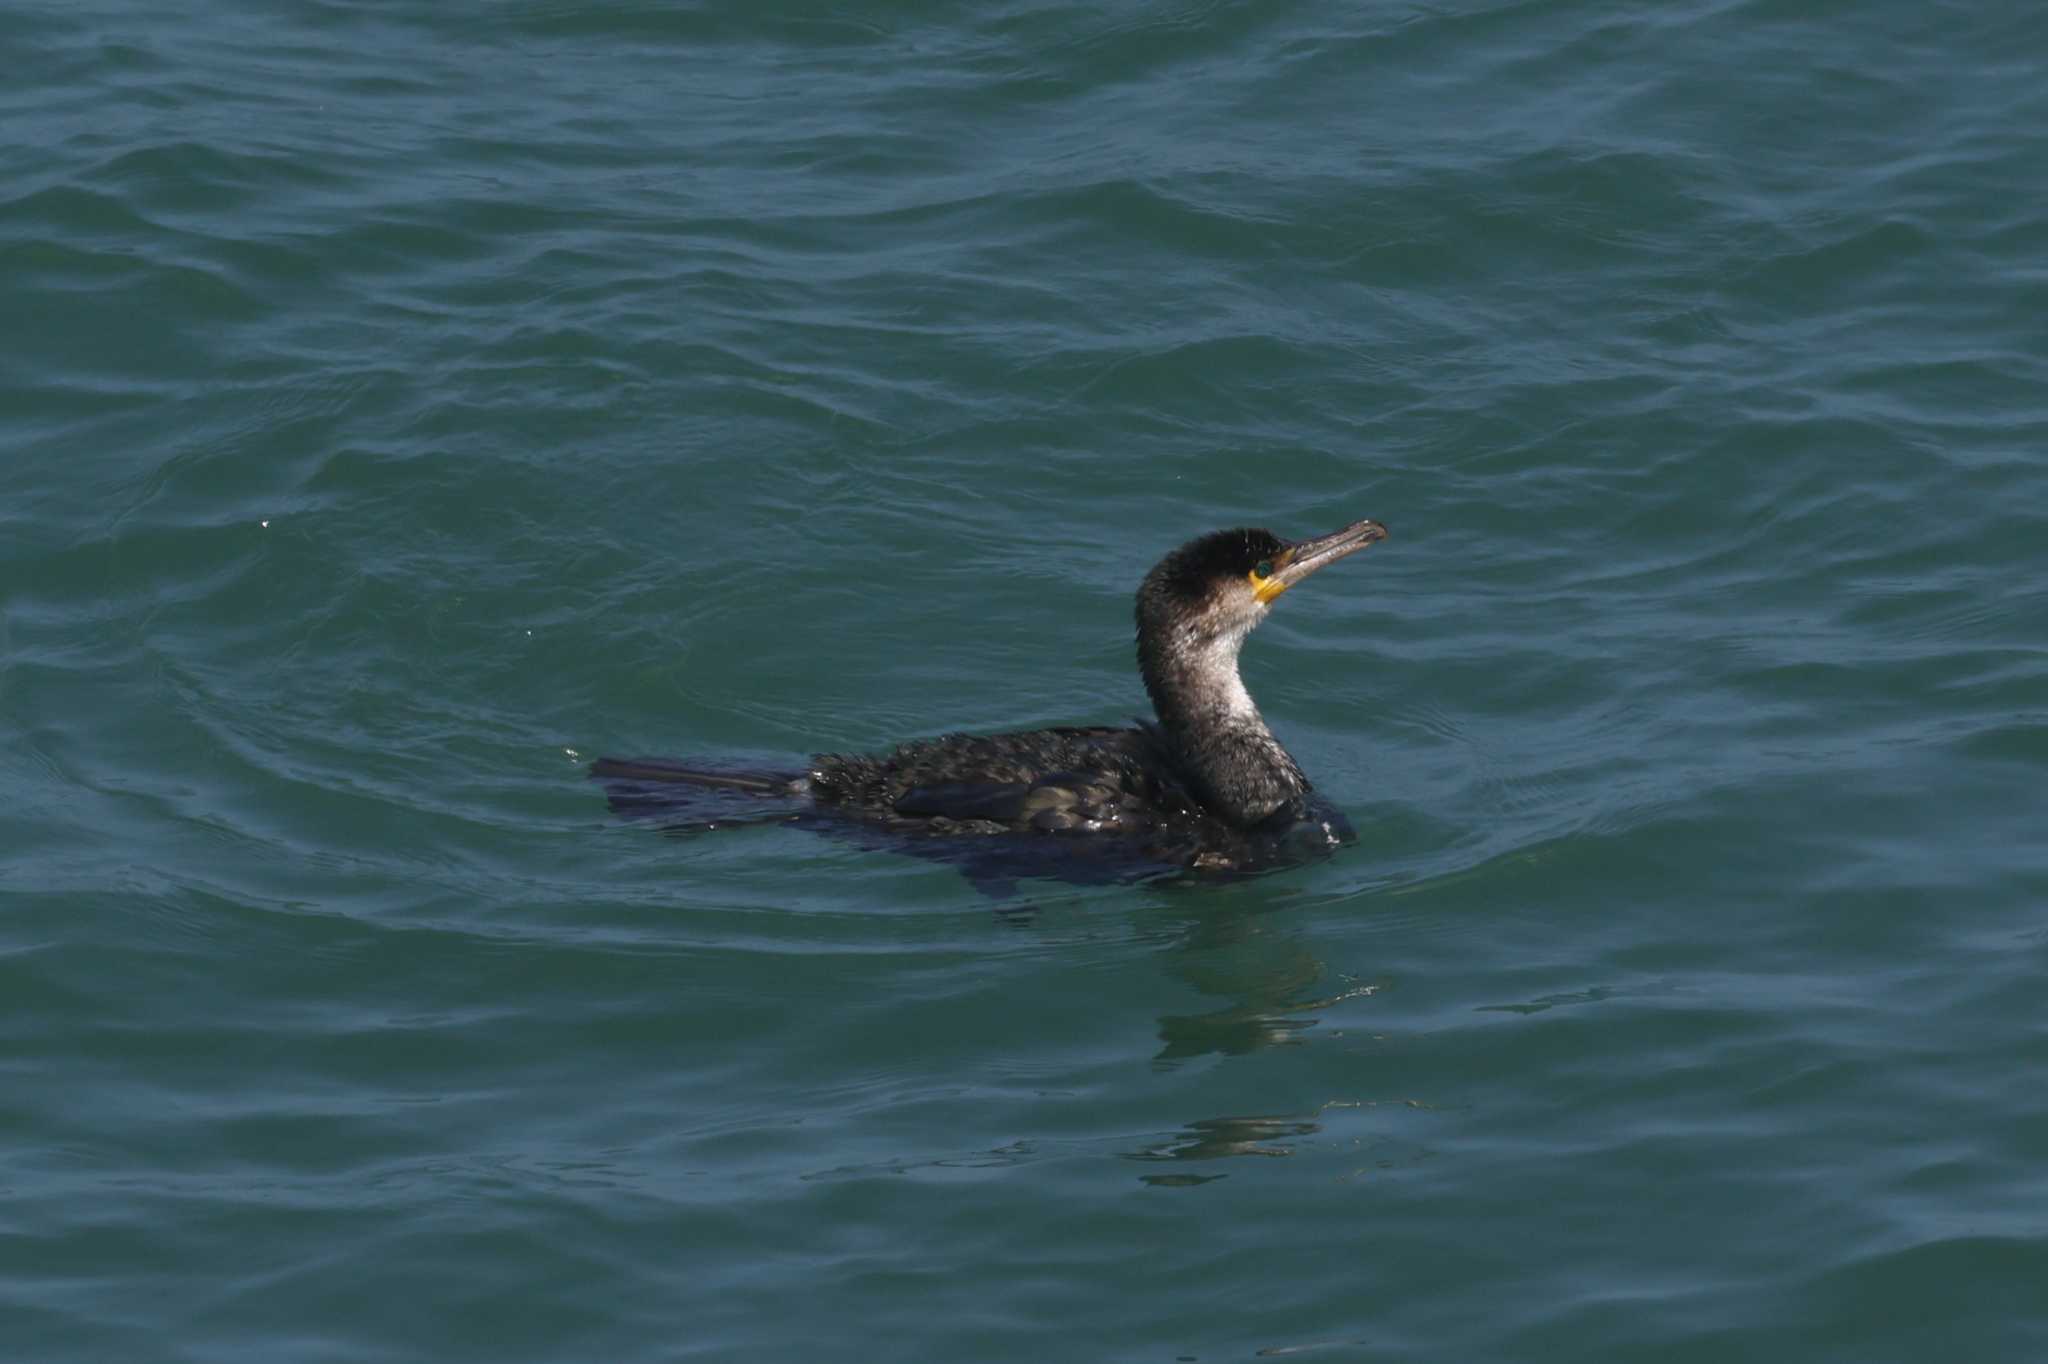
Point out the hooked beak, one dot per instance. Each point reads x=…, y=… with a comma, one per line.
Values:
x=1304, y=557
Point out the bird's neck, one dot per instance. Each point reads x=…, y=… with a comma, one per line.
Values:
x=1239, y=769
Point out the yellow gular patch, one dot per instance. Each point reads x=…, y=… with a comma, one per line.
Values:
x=1265, y=589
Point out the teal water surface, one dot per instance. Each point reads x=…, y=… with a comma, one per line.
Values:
x=403, y=404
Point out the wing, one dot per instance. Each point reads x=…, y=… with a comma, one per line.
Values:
x=1047, y=780
x=1058, y=802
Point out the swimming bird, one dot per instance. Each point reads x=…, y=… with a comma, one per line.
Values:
x=1206, y=786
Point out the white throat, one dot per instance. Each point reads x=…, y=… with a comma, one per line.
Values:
x=1217, y=687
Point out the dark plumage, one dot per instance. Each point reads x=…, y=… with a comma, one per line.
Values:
x=1207, y=787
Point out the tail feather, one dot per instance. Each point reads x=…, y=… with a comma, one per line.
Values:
x=690, y=795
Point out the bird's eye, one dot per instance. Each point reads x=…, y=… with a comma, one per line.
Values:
x=1264, y=570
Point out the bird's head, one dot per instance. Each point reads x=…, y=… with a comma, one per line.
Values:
x=1216, y=588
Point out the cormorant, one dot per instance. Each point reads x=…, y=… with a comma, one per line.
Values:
x=1206, y=787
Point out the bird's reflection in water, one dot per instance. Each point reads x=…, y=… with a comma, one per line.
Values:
x=1276, y=987
x=1232, y=1032
x=1270, y=976
x=1212, y=1138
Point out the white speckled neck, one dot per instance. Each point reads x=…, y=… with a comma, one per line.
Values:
x=1239, y=768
